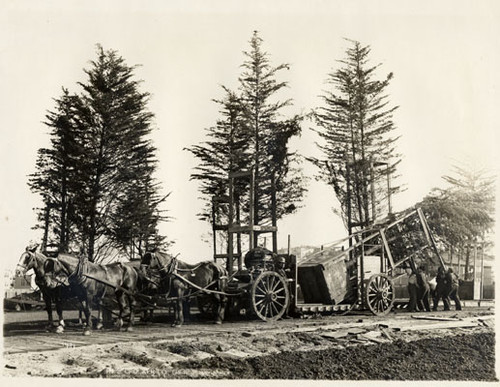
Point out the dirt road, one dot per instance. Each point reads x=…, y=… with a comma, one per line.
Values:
x=424, y=346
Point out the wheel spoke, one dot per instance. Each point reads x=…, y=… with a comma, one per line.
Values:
x=260, y=302
x=276, y=284
x=268, y=286
x=262, y=308
x=261, y=286
x=274, y=308
x=281, y=305
x=271, y=283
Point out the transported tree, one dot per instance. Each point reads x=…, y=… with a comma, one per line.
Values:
x=253, y=134
x=358, y=143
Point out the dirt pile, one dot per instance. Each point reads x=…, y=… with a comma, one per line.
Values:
x=461, y=357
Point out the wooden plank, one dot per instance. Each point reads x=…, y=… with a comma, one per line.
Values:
x=436, y=318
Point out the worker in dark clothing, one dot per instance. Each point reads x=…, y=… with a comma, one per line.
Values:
x=452, y=283
x=441, y=290
x=412, y=290
x=423, y=290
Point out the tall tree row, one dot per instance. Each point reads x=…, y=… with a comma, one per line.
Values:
x=358, y=148
x=97, y=178
x=252, y=133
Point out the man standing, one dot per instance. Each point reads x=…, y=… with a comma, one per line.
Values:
x=452, y=283
x=423, y=290
x=441, y=290
x=412, y=290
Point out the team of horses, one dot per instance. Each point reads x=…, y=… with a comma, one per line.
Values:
x=156, y=275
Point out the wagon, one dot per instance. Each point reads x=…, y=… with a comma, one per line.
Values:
x=357, y=272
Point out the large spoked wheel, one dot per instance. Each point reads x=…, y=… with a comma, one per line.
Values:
x=269, y=296
x=379, y=294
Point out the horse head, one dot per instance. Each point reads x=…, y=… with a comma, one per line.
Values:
x=55, y=274
x=27, y=260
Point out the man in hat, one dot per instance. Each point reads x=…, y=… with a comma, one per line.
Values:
x=441, y=290
x=423, y=290
x=412, y=290
x=452, y=283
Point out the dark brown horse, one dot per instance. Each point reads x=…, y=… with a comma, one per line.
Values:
x=33, y=259
x=182, y=280
x=89, y=279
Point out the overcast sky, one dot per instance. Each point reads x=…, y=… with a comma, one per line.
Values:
x=444, y=56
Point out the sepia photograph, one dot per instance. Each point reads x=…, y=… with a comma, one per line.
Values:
x=266, y=190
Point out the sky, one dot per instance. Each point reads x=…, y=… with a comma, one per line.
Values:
x=444, y=55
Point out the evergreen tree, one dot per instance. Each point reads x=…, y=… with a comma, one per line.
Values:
x=252, y=134
x=357, y=128
x=464, y=211
x=55, y=176
x=112, y=189
x=273, y=163
x=225, y=151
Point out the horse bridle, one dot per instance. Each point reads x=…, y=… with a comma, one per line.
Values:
x=32, y=256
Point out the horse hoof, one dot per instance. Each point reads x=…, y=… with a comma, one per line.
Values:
x=218, y=322
x=86, y=332
x=130, y=329
x=60, y=329
x=99, y=326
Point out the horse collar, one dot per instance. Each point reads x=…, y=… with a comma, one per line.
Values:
x=172, y=267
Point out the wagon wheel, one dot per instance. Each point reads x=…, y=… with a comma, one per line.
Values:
x=379, y=294
x=206, y=306
x=269, y=296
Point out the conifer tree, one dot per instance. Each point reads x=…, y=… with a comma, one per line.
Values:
x=114, y=197
x=356, y=126
x=253, y=134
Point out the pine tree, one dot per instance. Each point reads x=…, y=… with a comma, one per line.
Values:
x=54, y=178
x=115, y=201
x=273, y=163
x=252, y=134
x=356, y=126
x=225, y=151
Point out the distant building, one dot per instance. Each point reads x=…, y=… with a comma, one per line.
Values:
x=16, y=285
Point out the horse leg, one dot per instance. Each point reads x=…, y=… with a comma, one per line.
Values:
x=221, y=302
x=85, y=304
x=120, y=298
x=48, y=307
x=100, y=312
x=131, y=303
x=179, y=315
x=59, y=309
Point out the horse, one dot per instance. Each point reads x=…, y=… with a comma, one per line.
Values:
x=182, y=280
x=147, y=290
x=91, y=279
x=33, y=259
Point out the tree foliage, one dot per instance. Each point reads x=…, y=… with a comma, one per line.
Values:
x=252, y=134
x=356, y=127
x=464, y=211
x=103, y=161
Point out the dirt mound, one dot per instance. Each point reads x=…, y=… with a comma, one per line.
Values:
x=461, y=357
